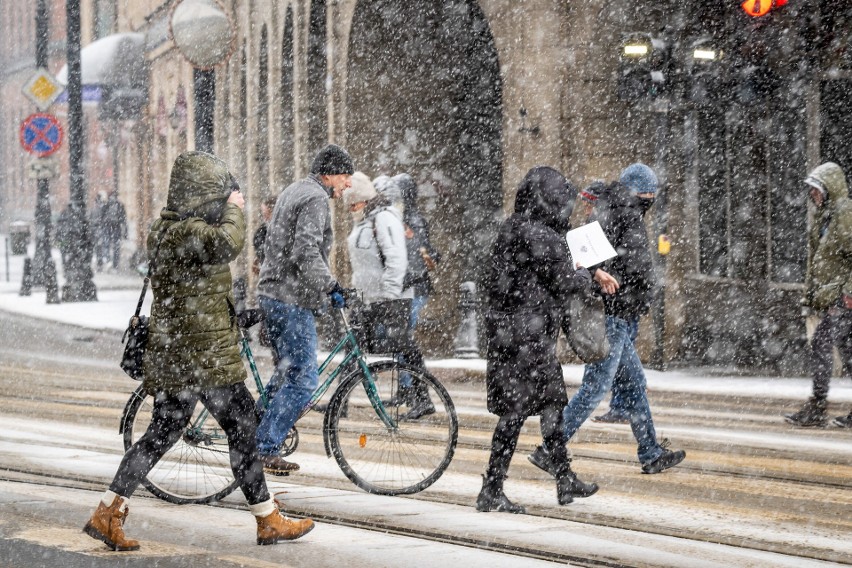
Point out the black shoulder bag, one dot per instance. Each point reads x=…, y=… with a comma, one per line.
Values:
x=135, y=338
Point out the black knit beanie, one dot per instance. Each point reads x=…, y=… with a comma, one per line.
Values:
x=332, y=160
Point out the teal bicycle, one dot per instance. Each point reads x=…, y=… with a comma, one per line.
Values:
x=372, y=441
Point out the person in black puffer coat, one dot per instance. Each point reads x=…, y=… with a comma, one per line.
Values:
x=532, y=279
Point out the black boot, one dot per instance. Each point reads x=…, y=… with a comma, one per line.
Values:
x=812, y=415
x=421, y=404
x=844, y=421
x=568, y=486
x=492, y=498
x=402, y=397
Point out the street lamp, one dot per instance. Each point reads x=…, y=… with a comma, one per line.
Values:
x=204, y=34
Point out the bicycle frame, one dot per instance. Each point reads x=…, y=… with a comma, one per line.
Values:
x=349, y=345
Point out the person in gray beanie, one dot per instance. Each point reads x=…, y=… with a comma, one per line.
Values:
x=296, y=283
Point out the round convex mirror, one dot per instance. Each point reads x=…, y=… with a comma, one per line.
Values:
x=203, y=32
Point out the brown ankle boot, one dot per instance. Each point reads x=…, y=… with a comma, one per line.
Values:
x=106, y=526
x=274, y=527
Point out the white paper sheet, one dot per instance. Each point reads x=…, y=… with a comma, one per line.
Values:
x=589, y=246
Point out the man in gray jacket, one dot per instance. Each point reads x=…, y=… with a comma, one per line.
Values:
x=296, y=282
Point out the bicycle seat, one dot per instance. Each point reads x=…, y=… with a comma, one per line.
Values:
x=250, y=317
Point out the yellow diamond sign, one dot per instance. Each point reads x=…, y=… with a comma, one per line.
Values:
x=42, y=89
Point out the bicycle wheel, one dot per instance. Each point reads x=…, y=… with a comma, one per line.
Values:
x=197, y=469
x=399, y=461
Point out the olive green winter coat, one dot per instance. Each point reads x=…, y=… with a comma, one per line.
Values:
x=193, y=337
x=829, y=272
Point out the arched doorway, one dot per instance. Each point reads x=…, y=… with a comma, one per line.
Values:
x=424, y=96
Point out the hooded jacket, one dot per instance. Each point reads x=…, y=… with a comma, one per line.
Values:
x=419, y=243
x=193, y=335
x=829, y=273
x=531, y=282
x=621, y=219
x=377, y=252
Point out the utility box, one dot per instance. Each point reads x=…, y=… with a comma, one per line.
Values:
x=19, y=233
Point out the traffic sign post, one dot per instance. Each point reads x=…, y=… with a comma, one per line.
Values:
x=42, y=89
x=41, y=134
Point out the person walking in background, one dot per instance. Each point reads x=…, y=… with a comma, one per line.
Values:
x=295, y=283
x=531, y=282
x=259, y=243
x=828, y=289
x=378, y=253
x=97, y=230
x=114, y=227
x=192, y=352
x=629, y=199
x=417, y=283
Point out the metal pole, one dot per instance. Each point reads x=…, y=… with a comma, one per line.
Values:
x=44, y=270
x=79, y=286
x=7, y=259
x=205, y=102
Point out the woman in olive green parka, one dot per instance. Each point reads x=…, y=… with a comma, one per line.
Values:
x=192, y=353
x=193, y=336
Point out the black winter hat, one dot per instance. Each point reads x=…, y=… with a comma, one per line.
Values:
x=332, y=160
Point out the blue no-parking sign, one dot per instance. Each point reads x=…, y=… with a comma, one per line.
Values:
x=41, y=134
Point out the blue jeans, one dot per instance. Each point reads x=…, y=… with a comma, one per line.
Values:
x=616, y=404
x=293, y=333
x=599, y=377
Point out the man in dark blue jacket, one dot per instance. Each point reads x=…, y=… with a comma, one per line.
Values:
x=622, y=222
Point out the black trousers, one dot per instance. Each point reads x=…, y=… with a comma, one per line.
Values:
x=832, y=331
x=506, y=438
x=232, y=407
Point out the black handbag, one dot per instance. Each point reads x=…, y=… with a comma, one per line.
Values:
x=135, y=341
x=135, y=338
x=585, y=326
x=382, y=327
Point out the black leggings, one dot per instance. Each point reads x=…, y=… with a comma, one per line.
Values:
x=506, y=438
x=232, y=407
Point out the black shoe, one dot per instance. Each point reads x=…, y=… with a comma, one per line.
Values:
x=813, y=414
x=568, y=486
x=492, y=498
x=541, y=459
x=612, y=417
x=843, y=421
x=401, y=397
x=421, y=405
x=322, y=408
x=276, y=465
x=666, y=460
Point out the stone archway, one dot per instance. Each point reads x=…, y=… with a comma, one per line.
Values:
x=424, y=96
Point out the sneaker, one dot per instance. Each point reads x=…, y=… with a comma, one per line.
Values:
x=812, y=414
x=843, y=421
x=667, y=459
x=419, y=410
x=612, y=417
x=276, y=465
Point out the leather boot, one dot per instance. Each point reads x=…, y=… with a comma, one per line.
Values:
x=274, y=527
x=421, y=404
x=106, y=525
x=492, y=498
x=568, y=486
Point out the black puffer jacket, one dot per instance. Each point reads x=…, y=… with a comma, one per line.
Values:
x=621, y=218
x=530, y=283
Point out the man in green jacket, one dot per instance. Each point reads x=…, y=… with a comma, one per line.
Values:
x=192, y=352
x=828, y=289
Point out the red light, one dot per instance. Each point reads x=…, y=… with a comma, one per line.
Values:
x=758, y=8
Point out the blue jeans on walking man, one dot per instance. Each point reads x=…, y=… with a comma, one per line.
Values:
x=293, y=333
x=629, y=385
x=616, y=404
